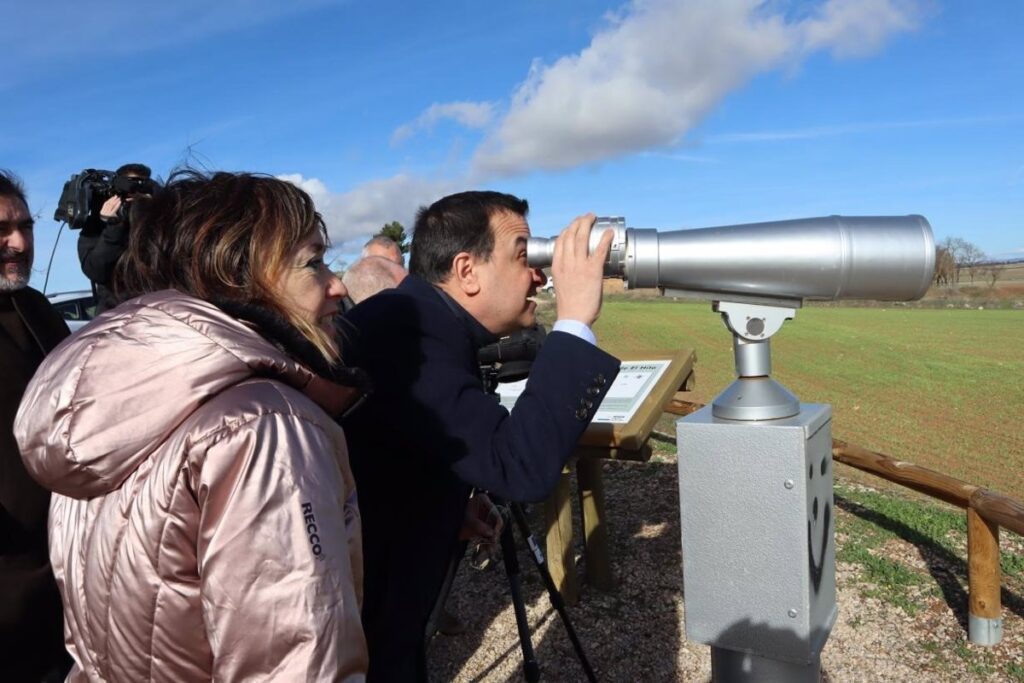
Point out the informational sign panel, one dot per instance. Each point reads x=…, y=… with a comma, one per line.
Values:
x=634, y=382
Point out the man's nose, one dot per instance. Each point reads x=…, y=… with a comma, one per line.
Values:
x=539, y=277
x=16, y=239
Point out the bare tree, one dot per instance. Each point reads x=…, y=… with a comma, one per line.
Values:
x=954, y=246
x=945, y=267
x=964, y=255
x=991, y=272
x=973, y=260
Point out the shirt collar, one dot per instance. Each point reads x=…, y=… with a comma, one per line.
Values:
x=479, y=334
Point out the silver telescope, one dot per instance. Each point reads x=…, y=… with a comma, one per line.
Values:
x=886, y=258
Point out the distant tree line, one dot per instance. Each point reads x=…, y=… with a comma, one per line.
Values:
x=955, y=256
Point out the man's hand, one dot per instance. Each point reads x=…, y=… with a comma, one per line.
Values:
x=111, y=210
x=482, y=520
x=578, y=272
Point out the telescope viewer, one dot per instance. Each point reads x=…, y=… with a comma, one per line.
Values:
x=887, y=258
x=757, y=458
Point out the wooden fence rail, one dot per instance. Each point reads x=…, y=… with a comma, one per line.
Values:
x=987, y=511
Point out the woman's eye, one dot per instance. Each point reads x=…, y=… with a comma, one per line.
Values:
x=315, y=264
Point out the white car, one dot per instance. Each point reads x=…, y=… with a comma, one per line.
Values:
x=78, y=307
x=548, y=286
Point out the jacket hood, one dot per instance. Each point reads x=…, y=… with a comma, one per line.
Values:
x=108, y=396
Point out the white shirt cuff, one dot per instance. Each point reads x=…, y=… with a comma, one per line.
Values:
x=576, y=329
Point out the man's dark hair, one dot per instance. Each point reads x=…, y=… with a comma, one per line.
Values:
x=134, y=170
x=10, y=186
x=458, y=222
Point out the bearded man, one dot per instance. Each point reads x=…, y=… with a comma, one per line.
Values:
x=31, y=619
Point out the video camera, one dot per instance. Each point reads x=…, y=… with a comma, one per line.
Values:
x=509, y=359
x=84, y=194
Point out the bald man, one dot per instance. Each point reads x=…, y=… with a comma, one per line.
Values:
x=372, y=274
x=381, y=245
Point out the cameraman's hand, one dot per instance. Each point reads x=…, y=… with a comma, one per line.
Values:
x=110, y=212
x=482, y=520
x=578, y=274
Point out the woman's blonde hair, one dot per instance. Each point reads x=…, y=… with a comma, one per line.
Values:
x=221, y=237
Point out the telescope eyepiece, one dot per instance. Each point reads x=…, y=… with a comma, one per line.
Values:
x=540, y=251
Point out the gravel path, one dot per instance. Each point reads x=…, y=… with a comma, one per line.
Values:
x=636, y=633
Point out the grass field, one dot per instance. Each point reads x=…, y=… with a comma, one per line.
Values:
x=937, y=386
x=941, y=388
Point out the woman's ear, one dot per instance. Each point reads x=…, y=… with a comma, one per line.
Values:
x=464, y=276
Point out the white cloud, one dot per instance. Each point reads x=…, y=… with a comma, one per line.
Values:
x=469, y=114
x=659, y=67
x=313, y=186
x=855, y=128
x=649, y=76
x=361, y=211
x=855, y=28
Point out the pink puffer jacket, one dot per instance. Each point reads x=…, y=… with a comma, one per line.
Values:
x=205, y=523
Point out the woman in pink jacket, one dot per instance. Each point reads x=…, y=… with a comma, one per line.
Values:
x=204, y=523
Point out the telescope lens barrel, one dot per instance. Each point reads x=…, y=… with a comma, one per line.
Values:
x=885, y=258
x=540, y=251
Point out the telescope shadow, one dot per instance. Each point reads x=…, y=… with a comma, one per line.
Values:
x=947, y=569
x=633, y=632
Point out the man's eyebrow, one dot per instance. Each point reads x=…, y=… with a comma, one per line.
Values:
x=520, y=241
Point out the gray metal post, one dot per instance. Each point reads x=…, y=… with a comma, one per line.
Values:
x=756, y=505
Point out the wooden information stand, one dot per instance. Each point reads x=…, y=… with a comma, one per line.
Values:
x=616, y=441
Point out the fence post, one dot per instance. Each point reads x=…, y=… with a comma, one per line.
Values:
x=595, y=530
x=560, y=556
x=984, y=621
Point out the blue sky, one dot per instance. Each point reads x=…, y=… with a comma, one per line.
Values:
x=675, y=114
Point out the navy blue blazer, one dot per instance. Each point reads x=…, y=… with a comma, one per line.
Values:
x=428, y=433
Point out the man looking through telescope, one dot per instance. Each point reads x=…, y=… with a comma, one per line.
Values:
x=430, y=433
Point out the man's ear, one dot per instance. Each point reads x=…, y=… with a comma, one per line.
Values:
x=463, y=275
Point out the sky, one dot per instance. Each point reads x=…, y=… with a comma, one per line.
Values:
x=673, y=113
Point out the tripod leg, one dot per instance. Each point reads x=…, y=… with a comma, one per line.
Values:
x=446, y=589
x=508, y=553
x=556, y=598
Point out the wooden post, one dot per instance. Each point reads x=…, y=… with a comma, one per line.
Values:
x=595, y=530
x=985, y=625
x=558, y=513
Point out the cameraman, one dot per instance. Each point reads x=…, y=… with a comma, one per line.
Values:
x=104, y=240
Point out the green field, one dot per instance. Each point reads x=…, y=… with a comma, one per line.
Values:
x=940, y=388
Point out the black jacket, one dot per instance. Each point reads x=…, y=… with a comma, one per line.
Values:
x=429, y=433
x=100, y=245
x=31, y=617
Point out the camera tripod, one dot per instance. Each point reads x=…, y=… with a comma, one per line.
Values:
x=509, y=360
x=513, y=512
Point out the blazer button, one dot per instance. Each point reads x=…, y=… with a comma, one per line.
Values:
x=593, y=391
x=600, y=380
x=581, y=414
x=587, y=403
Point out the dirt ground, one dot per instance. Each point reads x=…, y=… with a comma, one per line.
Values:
x=636, y=633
